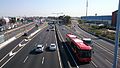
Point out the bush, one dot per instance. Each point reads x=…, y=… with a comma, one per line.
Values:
x=80, y=21
x=95, y=27
x=98, y=32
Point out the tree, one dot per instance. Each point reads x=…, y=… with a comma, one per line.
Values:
x=67, y=19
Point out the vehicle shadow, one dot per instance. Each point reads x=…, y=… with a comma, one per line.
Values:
x=32, y=52
x=48, y=50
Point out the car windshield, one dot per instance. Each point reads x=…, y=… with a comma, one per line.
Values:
x=88, y=41
x=85, y=53
x=39, y=47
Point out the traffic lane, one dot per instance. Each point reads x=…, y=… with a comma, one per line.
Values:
x=24, y=57
x=101, y=58
x=51, y=58
x=4, y=51
x=108, y=59
x=90, y=65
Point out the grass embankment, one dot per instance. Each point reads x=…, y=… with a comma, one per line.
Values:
x=98, y=31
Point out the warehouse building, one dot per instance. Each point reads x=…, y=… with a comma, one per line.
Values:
x=106, y=20
x=114, y=18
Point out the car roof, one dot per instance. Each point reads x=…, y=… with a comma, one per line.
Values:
x=39, y=45
x=52, y=44
x=89, y=39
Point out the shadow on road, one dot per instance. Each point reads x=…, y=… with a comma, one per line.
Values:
x=32, y=52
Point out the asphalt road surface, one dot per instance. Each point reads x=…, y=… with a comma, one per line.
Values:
x=26, y=57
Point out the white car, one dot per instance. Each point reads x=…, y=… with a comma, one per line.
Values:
x=53, y=29
x=9, y=27
x=87, y=40
x=52, y=46
x=40, y=48
x=2, y=28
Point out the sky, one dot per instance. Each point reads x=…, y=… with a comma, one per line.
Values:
x=75, y=8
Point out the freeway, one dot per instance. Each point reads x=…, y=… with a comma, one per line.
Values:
x=25, y=57
x=103, y=51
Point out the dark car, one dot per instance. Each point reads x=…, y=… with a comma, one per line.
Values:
x=47, y=30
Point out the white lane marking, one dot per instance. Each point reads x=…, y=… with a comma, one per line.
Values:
x=21, y=45
x=25, y=59
x=9, y=52
x=94, y=64
x=36, y=44
x=10, y=58
x=7, y=42
x=46, y=44
x=16, y=52
x=26, y=39
x=69, y=51
x=58, y=52
x=108, y=61
x=104, y=47
x=69, y=64
x=43, y=60
x=107, y=50
x=32, y=34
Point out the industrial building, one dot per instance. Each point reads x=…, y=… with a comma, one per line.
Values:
x=114, y=18
x=106, y=20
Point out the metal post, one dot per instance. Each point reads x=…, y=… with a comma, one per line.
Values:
x=117, y=38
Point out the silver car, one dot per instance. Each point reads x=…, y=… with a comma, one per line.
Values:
x=40, y=48
x=52, y=46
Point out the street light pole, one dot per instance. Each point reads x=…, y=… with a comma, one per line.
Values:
x=117, y=38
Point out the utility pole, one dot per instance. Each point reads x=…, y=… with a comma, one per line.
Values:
x=86, y=7
x=117, y=38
